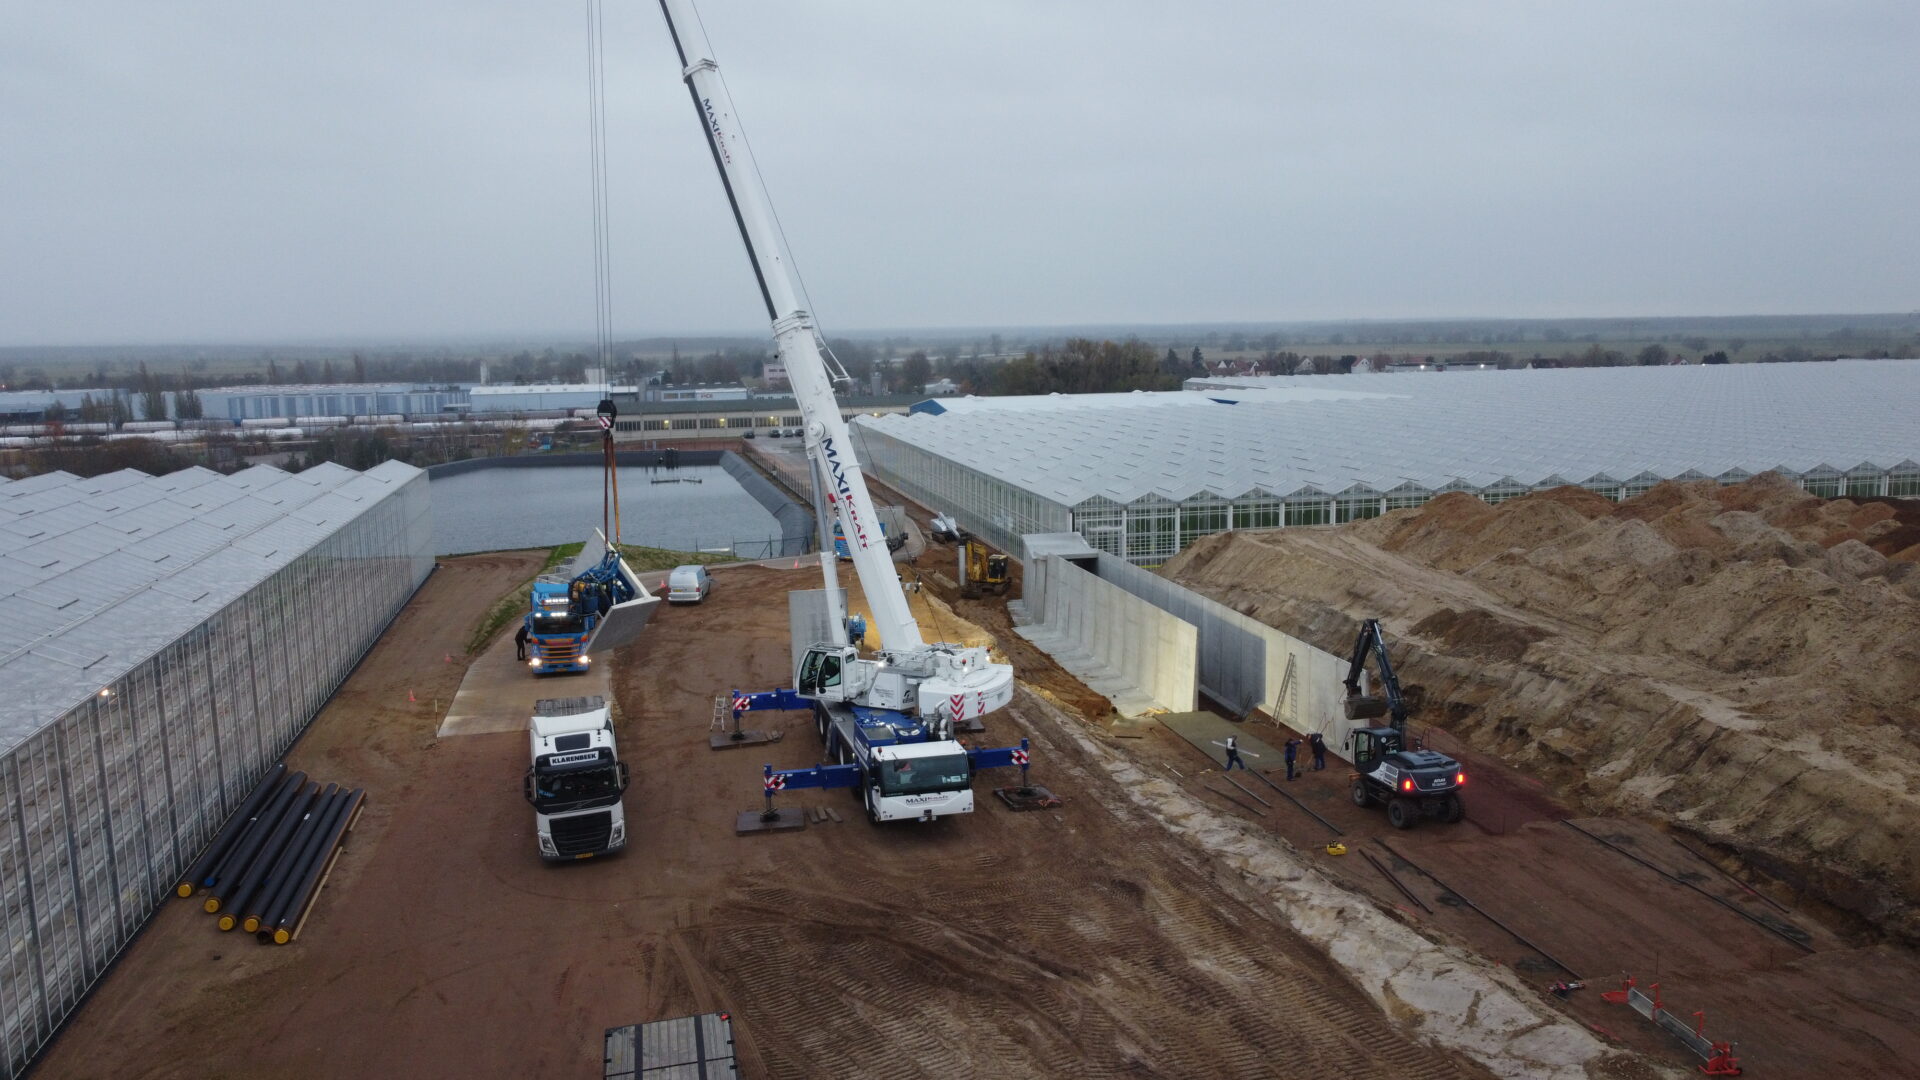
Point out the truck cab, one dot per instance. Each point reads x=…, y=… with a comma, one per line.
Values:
x=893, y=542
x=919, y=781
x=576, y=780
x=557, y=630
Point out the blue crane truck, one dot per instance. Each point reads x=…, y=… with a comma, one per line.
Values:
x=900, y=767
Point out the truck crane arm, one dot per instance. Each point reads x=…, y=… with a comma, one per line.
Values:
x=937, y=680
x=827, y=438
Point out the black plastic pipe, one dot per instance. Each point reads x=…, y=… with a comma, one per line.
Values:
x=270, y=883
x=230, y=870
x=289, y=921
x=276, y=843
x=224, y=870
x=236, y=824
x=296, y=872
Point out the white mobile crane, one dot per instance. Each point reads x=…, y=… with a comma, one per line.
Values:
x=875, y=713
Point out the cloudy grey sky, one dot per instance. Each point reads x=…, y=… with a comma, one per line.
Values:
x=215, y=171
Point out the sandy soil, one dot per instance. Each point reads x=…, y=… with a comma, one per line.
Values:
x=1742, y=663
x=1728, y=665
x=1088, y=941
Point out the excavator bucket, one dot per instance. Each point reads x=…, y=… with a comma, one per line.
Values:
x=1365, y=708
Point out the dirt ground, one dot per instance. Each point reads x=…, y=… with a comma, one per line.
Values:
x=1733, y=665
x=1085, y=941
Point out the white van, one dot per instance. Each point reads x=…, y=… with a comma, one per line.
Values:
x=688, y=584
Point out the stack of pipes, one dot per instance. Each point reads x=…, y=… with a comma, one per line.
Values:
x=265, y=867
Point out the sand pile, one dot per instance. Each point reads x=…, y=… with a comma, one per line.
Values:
x=1743, y=662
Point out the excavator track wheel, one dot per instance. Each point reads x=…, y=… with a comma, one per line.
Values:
x=1361, y=796
x=1402, y=814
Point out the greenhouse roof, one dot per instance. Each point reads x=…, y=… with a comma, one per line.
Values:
x=1431, y=432
x=98, y=574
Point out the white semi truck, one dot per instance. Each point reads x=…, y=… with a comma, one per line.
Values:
x=576, y=780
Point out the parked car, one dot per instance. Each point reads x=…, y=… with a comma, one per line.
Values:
x=774, y=434
x=688, y=584
x=747, y=434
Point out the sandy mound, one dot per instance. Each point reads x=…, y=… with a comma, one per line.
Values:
x=1743, y=661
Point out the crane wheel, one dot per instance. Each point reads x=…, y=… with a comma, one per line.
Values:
x=1454, y=810
x=1361, y=796
x=1401, y=814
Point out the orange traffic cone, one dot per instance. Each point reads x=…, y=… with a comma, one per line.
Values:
x=410, y=696
x=796, y=564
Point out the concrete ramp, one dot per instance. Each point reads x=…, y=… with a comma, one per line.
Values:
x=1205, y=730
x=498, y=691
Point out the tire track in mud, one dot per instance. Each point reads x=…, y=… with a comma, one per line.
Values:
x=1107, y=977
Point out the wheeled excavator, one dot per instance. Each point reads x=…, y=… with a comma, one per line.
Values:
x=1413, y=783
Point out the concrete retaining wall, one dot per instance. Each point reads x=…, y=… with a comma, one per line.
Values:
x=1245, y=664
x=1136, y=655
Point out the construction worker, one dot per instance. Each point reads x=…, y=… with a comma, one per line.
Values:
x=1319, y=746
x=1293, y=750
x=520, y=642
x=1233, y=753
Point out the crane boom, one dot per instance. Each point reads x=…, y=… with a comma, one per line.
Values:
x=827, y=437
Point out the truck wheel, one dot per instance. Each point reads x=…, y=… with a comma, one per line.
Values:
x=1361, y=797
x=1452, y=810
x=1401, y=814
x=820, y=724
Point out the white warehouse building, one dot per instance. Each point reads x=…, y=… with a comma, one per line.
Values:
x=1142, y=475
x=548, y=397
x=163, y=640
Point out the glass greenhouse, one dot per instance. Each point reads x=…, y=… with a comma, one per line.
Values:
x=1142, y=475
x=163, y=640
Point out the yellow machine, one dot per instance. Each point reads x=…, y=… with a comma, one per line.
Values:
x=982, y=570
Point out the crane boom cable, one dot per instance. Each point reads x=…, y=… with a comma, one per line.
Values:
x=602, y=258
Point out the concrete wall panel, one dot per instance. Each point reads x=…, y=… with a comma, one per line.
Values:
x=1137, y=655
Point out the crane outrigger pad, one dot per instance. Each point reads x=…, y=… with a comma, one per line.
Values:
x=1028, y=798
x=757, y=821
x=733, y=740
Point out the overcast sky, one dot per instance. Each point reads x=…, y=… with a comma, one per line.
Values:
x=271, y=172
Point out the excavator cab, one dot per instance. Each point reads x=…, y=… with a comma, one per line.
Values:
x=1369, y=745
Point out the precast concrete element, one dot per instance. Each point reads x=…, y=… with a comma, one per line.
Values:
x=810, y=620
x=1241, y=662
x=1246, y=664
x=1138, y=656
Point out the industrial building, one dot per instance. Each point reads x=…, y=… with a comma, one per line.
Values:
x=547, y=397
x=237, y=403
x=649, y=420
x=1141, y=475
x=163, y=640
